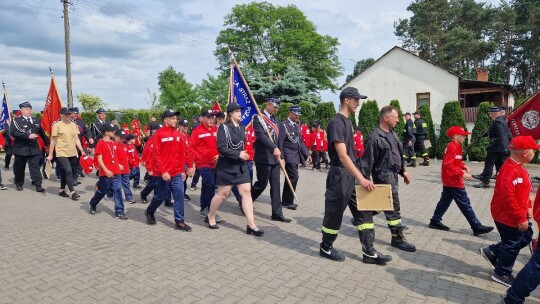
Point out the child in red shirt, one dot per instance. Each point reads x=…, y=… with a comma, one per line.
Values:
x=511, y=208
x=123, y=159
x=133, y=160
x=453, y=172
x=107, y=161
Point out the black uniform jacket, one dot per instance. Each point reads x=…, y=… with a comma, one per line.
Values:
x=83, y=130
x=409, y=131
x=291, y=143
x=264, y=146
x=499, y=135
x=96, y=129
x=20, y=130
x=377, y=159
x=230, y=142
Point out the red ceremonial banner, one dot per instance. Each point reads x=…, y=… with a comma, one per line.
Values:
x=525, y=120
x=51, y=112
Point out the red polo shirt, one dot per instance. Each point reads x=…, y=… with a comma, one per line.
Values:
x=109, y=155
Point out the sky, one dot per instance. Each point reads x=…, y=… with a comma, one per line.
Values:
x=119, y=47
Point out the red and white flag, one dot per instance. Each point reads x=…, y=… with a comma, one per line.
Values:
x=525, y=120
x=53, y=104
x=216, y=107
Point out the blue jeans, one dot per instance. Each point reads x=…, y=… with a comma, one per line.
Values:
x=462, y=201
x=124, y=181
x=163, y=190
x=135, y=175
x=526, y=280
x=104, y=184
x=507, y=250
x=208, y=187
x=235, y=188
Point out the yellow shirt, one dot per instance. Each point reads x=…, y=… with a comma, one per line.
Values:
x=65, y=134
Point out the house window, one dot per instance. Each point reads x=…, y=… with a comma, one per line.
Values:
x=421, y=99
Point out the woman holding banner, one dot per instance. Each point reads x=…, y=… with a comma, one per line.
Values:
x=232, y=169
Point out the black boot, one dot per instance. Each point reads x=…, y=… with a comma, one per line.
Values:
x=399, y=241
x=413, y=163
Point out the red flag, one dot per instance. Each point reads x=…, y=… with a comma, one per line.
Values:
x=216, y=108
x=525, y=120
x=53, y=104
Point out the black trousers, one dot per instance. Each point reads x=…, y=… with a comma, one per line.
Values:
x=7, y=158
x=316, y=159
x=419, y=146
x=408, y=151
x=19, y=168
x=288, y=196
x=268, y=173
x=492, y=158
x=69, y=172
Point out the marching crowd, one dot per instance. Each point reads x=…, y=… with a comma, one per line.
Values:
x=221, y=152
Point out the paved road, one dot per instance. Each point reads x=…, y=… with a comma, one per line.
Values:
x=53, y=251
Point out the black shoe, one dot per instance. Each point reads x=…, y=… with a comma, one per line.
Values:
x=411, y=165
x=169, y=204
x=280, y=218
x=438, y=225
x=210, y=225
x=76, y=183
x=3, y=187
x=180, y=225
x=506, y=280
x=376, y=258
x=481, y=185
x=39, y=188
x=537, y=178
x=403, y=245
x=143, y=200
x=131, y=201
x=63, y=194
x=291, y=207
x=482, y=230
x=75, y=196
x=91, y=209
x=478, y=177
x=331, y=254
x=121, y=216
x=249, y=230
x=137, y=187
x=187, y=197
x=19, y=188
x=489, y=256
x=150, y=219
x=494, y=176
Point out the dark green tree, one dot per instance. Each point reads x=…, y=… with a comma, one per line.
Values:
x=368, y=117
x=451, y=116
x=175, y=89
x=266, y=37
x=360, y=67
x=477, y=148
x=426, y=116
x=283, y=111
x=400, y=127
x=308, y=113
x=324, y=112
x=211, y=89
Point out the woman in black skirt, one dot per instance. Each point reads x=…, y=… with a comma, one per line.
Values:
x=232, y=169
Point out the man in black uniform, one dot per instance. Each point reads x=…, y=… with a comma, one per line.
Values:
x=408, y=141
x=8, y=144
x=420, y=134
x=83, y=132
x=294, y=151
x=383, y=161
x=268, y=156
x=342, y=175
x=498, y=149
x=25, y=131
x=97, y=125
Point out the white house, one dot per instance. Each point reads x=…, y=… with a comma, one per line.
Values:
x=402, y=75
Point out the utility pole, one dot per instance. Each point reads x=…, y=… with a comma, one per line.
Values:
x=68, y=53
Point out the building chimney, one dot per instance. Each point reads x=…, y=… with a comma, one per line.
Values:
x=482, y=75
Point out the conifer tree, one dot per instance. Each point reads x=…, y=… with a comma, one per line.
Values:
x=400, y=127
x=368, y=117
x=477, y=149
x=426, y=116
x=451, y=116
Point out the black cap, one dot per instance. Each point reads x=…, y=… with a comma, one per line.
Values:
x=120, y=133
x=296, y=109
x=276, y=101
x=315, y=124
x=130, y=137
x=169, y=113
x=496, y=109
x=417, y=113
x=25, y=104
x=74, y=110
x=350, y=92
x=208, y=113
x=108, y=128
x=65, y=111
x=182, y=122
x=100, y=111
x=233, y=106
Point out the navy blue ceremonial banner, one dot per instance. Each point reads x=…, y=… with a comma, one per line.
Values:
x=240, y=93
x=4, y=114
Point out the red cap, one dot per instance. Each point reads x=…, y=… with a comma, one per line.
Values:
x=523, y=143
x=456, y=130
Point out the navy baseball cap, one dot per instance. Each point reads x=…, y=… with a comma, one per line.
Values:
x=296, y=109
x=350, y=92
x=25, y=104
x=275, y=101
x=169, y=113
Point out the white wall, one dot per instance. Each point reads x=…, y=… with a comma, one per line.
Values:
x=400, y=75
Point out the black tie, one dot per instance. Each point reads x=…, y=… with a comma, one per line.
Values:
x=273, y=118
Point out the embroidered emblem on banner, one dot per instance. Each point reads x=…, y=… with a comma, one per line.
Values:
x=530, y=119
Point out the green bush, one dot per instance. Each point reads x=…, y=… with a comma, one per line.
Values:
x=324, y=112
x=283, y=111
x=308, y=114
x=477, y=148
x=426, y=116
x=400, y=127
x=368, y=117
x=451, y=116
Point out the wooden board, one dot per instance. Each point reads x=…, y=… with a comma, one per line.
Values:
x=379, y=199
x=48, y=169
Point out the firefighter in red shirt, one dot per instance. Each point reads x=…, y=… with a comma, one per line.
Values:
x=511, y=209
x=204, y=154
x=358, y=146
x=168, y=170
x=453, y=172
